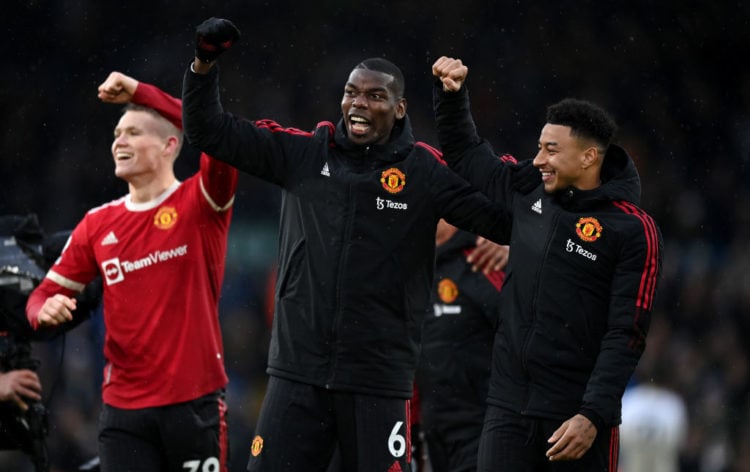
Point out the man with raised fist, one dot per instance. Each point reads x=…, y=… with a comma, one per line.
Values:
x=361, y=202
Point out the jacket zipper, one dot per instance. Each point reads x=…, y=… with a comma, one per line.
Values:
x=345, y=244
x=537, y=289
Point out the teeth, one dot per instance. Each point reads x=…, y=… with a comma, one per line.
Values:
x=358, y=119
x=123, y=155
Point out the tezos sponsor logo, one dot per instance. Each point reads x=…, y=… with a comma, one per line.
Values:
x=572, y=246
x=382, y=204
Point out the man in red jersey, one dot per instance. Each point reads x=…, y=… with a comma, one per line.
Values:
x=160, y=251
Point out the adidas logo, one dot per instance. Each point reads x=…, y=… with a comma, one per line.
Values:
x=110, y=239
x=325, y=171
x=537, y=206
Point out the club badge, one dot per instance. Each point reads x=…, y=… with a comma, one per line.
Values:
x=589, y=229
x=447, y=291
x=256, y=446
x=393, y=180
x=165, y=217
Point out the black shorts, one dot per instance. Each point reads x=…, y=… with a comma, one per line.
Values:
x=184, y=437
x=453, y=447
x=511, y=441
x=301, y=425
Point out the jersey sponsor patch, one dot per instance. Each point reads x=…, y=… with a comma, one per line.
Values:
x=165, y=217
x=393, y=180
x=382, y=204
x=114, y=269
x=588, y=229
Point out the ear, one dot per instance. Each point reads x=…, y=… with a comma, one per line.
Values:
x=401, y=108
x=172, y=145
x=590, y=157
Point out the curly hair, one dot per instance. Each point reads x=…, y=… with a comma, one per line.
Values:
x=585, y=120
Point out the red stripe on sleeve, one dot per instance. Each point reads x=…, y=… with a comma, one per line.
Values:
x=647, y=288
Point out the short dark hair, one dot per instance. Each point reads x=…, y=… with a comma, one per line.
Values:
x=378, y=64
x=585, y=119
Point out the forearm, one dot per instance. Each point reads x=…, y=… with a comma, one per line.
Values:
x=153, y=97
x=456, y=130
x=202, y=113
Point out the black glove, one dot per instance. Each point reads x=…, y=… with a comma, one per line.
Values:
x=213, y=37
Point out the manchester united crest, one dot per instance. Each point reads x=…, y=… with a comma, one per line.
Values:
x=165, y=217
x=393, y=180
x=589, y=229
x=256, y=446
x=447, y=291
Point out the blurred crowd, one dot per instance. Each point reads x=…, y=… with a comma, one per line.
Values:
x=668, y=72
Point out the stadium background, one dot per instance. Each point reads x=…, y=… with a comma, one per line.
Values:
x=674, y=75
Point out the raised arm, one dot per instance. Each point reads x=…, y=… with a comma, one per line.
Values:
x=119, y=88
x=465, y=152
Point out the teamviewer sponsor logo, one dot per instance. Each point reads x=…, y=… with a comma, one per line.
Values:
x=114, y=270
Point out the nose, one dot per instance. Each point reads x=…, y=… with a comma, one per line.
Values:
x=359, y=100
x=539, y=159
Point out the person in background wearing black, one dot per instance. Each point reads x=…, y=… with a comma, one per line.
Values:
x=20, y=386
x=454, y=368
x=579, y=289
x=360, y=204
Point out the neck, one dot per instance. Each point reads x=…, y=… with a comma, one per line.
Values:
x=141, y=192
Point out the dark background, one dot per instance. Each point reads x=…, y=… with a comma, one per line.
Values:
x=674, y=75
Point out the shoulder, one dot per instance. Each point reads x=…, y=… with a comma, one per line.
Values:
x=113, y=205
x=635, y=218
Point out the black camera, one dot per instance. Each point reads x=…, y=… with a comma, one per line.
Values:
x=22, y=430
x=22, y=267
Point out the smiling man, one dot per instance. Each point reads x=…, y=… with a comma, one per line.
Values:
x=581, y=282
x=361, y=202
x=160, y=251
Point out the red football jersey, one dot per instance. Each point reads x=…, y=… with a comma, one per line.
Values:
x=162, y=267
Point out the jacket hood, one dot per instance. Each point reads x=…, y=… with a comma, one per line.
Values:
x=397, y=148
x=620, y=181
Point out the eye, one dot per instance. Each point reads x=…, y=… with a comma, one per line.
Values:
x=376, y=96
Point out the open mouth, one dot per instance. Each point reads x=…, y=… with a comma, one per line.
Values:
x=358, y=125
x=123, y=156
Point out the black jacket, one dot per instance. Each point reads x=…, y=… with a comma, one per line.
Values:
x=454, y=368
x=580, y=285
x=356, y=240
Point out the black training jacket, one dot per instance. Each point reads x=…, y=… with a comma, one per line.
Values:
x=356, y=240
x=580, y=283
x=454, y=368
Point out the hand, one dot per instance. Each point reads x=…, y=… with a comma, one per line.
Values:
x=452, y=72
x=56, y=310
x=118, y=88
x=572, y=439
x=18, y=385
x=213, y=37
x=488, y=256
